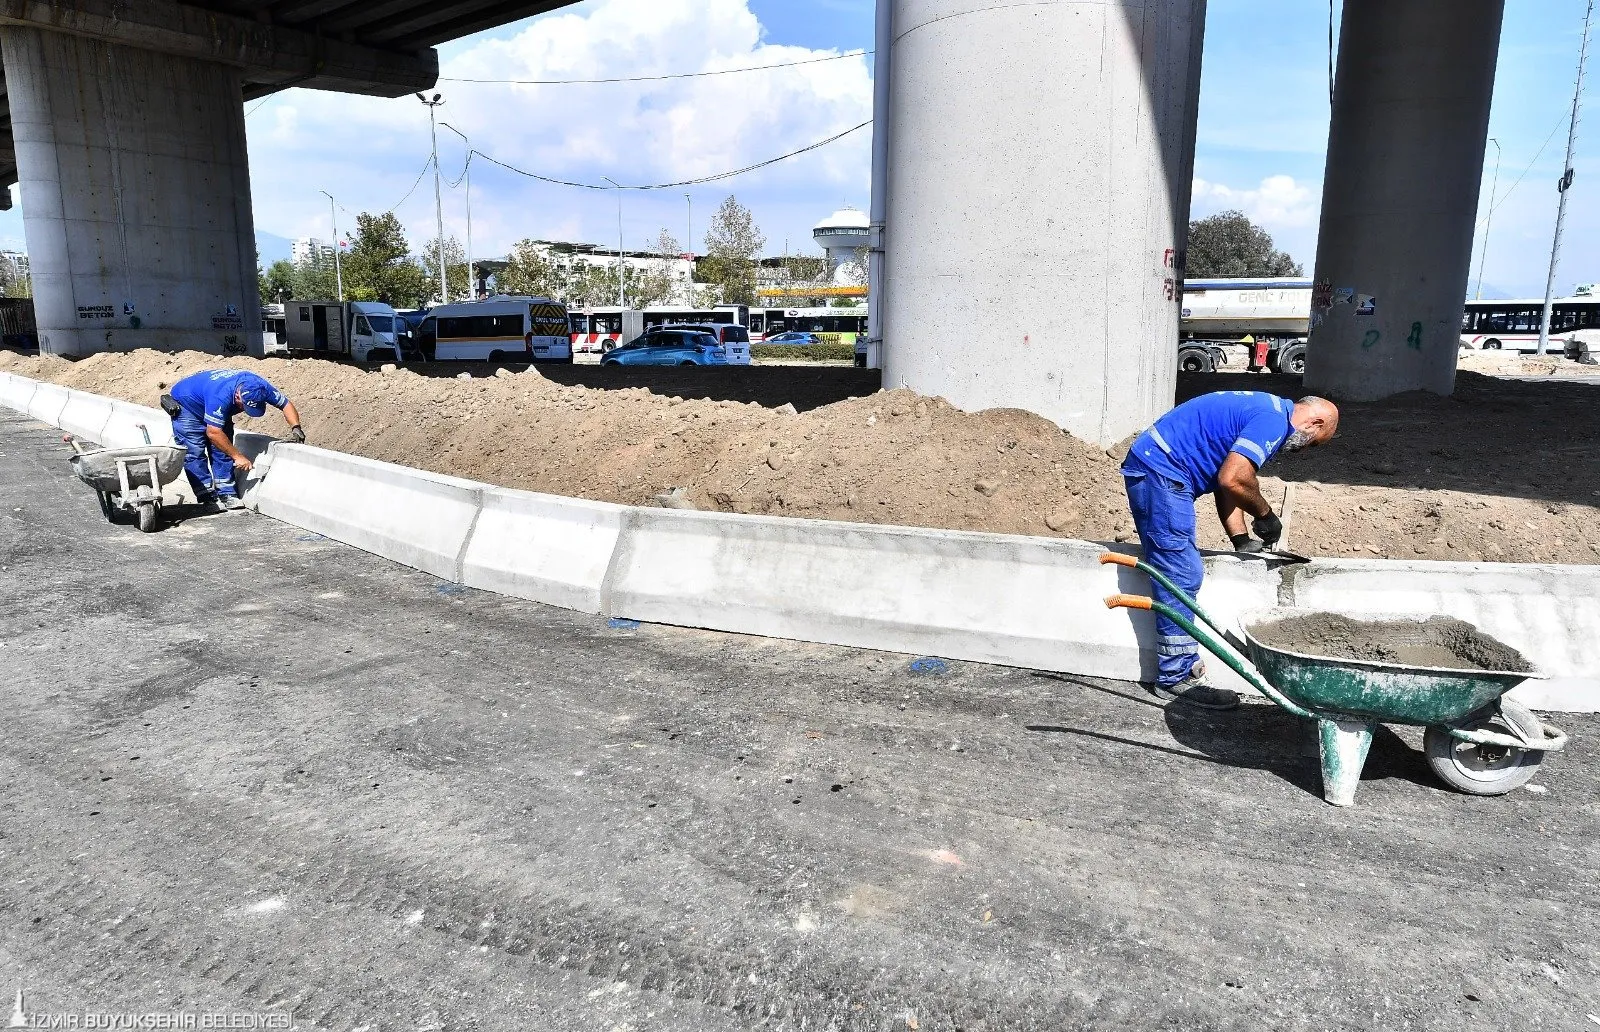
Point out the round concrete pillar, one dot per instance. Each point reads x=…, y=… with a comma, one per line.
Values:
x=135, y=191
x=1039, y=177
x=1400, y=197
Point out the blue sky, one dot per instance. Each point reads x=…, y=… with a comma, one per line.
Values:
x=1262, y=133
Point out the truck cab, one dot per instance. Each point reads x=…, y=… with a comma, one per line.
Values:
x=362, y=331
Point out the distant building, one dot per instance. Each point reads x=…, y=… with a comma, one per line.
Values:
x=18, y=259
x=844, y=236
x=310, y=250
x=574, y=257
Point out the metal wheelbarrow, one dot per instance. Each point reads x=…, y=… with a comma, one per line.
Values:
x=1476, y=740
x=128, y=480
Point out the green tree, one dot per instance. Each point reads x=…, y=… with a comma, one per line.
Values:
x=378, y=265
x=312, y=280
x=455, y=263
x=658, y=284
x=1229, y=245
x=529, y=270
x=733, y=243
x=277, y=283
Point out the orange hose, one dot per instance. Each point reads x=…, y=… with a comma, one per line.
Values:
x=1119, y=559
x=1127, y=602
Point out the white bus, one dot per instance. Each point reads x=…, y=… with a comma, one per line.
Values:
x=848, y=323
x=599, y=329
x=1514, y=325
x=502, y=328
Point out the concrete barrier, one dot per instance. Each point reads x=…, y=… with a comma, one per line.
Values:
x=418, y=519
x=122, y=429
x=16, y=391
x=543, y=547
x=1031, y=602
x=47, y=402
x=1548, y=612
x=85, y=416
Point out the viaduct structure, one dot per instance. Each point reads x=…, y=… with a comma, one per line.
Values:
x=1032, y=169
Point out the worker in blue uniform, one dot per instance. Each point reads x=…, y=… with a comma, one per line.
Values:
x=202, y=407
x=1214, y=444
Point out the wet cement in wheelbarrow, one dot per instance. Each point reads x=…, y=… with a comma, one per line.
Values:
x=1438, y=641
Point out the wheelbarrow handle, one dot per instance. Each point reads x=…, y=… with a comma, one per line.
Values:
x=1135, y=563
x=1216, y=646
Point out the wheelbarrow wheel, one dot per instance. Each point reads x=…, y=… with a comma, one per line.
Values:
x=147, y=516
x=1487, y=770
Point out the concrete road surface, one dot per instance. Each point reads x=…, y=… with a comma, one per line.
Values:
x=249, y=769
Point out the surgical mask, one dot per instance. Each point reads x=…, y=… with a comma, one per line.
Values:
x=1297, y=440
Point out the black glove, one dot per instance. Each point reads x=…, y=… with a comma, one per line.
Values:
x=1268, y=528
x=1245, y=543
x=297, y=435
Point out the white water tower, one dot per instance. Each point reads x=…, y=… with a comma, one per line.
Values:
x=844, y=236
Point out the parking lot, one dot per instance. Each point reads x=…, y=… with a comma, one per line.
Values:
x=250, y=768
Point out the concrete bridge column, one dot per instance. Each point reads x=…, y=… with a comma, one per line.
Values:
x=135, y=195
x=1400, y=197
x=1039, y=176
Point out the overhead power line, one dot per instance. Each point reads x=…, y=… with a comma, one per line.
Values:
x=660, y=78
x=686, y=182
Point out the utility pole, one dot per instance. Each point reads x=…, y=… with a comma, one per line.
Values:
x=1488, y=220
x=338, y=270
x=438, y=196
x=1565, y=183
x=622, y=302
x=690, y=242
x=466, y=175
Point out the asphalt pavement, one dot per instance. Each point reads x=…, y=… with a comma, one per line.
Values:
x=247, y=768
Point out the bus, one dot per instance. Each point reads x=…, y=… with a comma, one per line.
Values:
x=502, y=328
x=848, y=323
x=599, y=329
x=1514, y=325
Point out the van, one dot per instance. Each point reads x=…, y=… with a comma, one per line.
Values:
x=735, y=339
x=502, y=328
x=363, y=331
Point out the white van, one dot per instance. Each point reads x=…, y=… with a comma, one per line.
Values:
x=502, y=328
x=363, y=331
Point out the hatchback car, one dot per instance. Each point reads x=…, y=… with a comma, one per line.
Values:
x=668, y=348
x=735, y=339
x=794, y=337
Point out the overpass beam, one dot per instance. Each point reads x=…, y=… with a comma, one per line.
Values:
x=136, y=196
x=1039, y=177
x=1400, y=196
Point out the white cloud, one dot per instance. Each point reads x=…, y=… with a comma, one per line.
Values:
x=367, y=151
x=1277, y=203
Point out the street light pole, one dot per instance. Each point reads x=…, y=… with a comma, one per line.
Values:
x=472, y=274
x=1565, y=184
x=438, y=196
x=338, y=270
x=621, y=294
x=690, y=242
x=1488, y=220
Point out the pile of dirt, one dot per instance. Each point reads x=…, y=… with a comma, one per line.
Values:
x=1462, y=478
x=1439, y=641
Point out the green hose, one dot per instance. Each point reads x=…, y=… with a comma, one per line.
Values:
x=1226, y=653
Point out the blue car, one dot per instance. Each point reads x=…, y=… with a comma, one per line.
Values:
x=794, y=337
x=670, y=348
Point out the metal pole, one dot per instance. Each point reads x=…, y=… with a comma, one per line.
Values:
x=689, y=244
x=621, y=295
x=338, y=270
x=1565, y=184
x=438, y=195
x=883, y=47
x=1488, y=220
x=472, y=275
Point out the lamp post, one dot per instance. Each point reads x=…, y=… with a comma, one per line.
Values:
x=1488, y=220
x=1564, y=184
x=621, y=295
x=472, y=275
x=338, y=270
x=438, y=197
x=690, y=242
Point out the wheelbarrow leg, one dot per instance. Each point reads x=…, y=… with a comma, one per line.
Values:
x=1344, y=745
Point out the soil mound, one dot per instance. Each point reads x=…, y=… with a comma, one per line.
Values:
x=1439, y=641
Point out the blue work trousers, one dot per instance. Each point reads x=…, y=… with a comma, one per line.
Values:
x=210, y=470
x=1163, y=512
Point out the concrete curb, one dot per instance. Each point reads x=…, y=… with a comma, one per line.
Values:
x=1016, y=601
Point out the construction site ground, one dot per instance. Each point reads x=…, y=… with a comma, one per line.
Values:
x=1506, y=469
x=251, y=769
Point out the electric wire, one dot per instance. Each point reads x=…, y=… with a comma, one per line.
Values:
x=1494, y=205
x=685, y=182
x=658, y=78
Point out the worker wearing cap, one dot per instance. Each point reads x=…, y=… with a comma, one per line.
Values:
x=202, y=407
x=1213, y=444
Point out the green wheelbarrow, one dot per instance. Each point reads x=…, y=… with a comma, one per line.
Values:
x=1476, y=740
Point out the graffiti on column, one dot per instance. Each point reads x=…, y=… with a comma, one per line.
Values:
x=1372, y=337
x=1414, y=341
